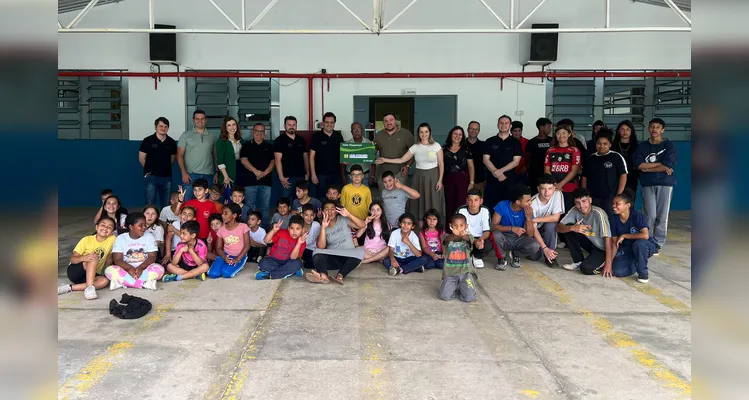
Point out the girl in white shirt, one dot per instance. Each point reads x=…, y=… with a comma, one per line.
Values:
x=430, y=169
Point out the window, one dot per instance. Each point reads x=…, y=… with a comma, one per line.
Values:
x=91, y=108
x=249, y=100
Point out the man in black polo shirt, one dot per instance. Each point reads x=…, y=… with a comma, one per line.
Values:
x=292, y=159
x=324, y=157
x=502, y=153
x=257, y=157
x=157, y=154
x=535, y=152
x=476, y=147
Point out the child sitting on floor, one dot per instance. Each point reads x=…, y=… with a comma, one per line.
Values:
x=376, y=234
x=189, y=259
x=154, y=227
x=257, y=237
x=312, y=229
x=458, y=272
x=172, y=235
x=90, y=255
x=232, y=246
x=170, y=213
x=216, y=221
x=282, y=214
x=405, y=252
x=284, y=259
x=430, y=239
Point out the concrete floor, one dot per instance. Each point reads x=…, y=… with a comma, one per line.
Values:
x=534, y=333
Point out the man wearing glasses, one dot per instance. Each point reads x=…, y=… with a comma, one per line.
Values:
x=357, y=136
x=196, y=154
x=257, y=157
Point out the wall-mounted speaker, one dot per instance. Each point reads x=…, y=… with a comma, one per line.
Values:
x=163, y=46
x=544, y=45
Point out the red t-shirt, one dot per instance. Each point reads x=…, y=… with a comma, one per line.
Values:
x=283, y=245
x=560, y=160
x=203, y=210
x=523, y=142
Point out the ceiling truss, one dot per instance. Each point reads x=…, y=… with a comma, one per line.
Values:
x=378, y=25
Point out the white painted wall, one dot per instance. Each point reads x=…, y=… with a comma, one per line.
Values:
x=482, y=100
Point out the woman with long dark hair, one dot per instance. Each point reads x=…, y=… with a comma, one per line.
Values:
x=625, y=143
x=459, y=170
x=228, y=145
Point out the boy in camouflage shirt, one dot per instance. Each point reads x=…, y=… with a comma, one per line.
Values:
x=458, y=272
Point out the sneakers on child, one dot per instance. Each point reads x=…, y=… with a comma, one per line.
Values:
x=150, y=285
x=64, y=289
x=421, y=269
x=643, y=279
x=90, y=293
x=572, y=267
x=260, y=275
x=501, y=264
x=477, y=263
x=393, y=271
x=257, y=260
x=551, y=264
x=169, y=278
x=515, y=261
x=201, y=277
x=657, y=250
x=299, y=272
x=114, y=285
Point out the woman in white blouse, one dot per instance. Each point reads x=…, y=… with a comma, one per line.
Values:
x=430, y=169
x=227, y=151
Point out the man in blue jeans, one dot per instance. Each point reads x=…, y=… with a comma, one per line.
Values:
x=157, y=154
x=195, y=154
x=292, y=160
x=257, y=157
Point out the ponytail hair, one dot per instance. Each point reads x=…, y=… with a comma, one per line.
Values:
x=628, y=196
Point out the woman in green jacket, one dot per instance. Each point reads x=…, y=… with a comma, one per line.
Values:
x=227, y=151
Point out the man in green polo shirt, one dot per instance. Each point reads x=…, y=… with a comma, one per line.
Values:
x=195, y=154
x=392, y=142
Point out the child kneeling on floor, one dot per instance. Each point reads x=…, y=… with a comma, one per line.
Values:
x=284, y=259
x=189, y=259
x=458, y=272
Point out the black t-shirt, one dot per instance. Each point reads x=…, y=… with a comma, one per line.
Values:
x=583, y=153
x=477, y=151
x=158, y=155
x=259, y=156
x=327, y=152
x=293, y=154
x=627, y=150
x=603, y=172
x=536, y=149
x=501, y=152
x=458, y=161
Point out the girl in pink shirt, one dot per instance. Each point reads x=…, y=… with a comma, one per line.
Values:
x=233, y=244
x=430, y=239
x=376, y=234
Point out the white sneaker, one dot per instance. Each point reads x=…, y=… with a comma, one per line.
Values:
x=572, y=267
x=150, y=285
x=64, y=289
x=478, y=263
x=114, y=285
x=90, y=293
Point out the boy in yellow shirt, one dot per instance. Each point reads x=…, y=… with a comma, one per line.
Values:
x=356, y=197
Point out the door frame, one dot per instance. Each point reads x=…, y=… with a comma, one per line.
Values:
x=410, y=100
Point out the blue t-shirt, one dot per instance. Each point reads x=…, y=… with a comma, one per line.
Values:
x=510, y=217
x=636, y=222
x=664, y=153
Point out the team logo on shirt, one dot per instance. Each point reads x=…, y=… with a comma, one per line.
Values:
x=206, y=214
x=99, y=252
x=653, y=157
x=562, y=157
x=608, y=164
x=356, y=199
x=633, y=230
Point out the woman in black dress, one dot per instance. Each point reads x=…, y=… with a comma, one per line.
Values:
x=459, y=170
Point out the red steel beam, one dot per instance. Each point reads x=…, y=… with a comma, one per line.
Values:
x=399, y=75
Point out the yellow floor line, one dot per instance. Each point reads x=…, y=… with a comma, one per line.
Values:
x=656, y=369
x=666, y=300
x=97, y=368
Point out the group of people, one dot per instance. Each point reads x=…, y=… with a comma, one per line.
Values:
x=515, y=196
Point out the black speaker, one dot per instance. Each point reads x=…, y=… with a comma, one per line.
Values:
x=163, y=46
x=544, y=45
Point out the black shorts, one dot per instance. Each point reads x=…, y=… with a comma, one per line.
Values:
x=77, y=274
x=184, y=266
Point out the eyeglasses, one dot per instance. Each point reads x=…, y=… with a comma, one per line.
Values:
x=358, y=174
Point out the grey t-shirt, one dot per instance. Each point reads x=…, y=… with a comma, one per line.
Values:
x=338, y=241
x=395, y=204
x=198, y=151
x=598, y=221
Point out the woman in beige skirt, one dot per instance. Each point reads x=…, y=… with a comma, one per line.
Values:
x=430, y=169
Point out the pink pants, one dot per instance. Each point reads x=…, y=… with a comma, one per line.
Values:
x=151, y=273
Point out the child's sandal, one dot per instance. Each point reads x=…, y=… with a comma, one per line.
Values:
x=338, y=279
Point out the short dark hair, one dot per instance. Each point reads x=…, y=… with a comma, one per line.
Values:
x=599, y=123
x=518, y=191
x=200, y=183
x=328, y=115
x=283, y=200
x=504, y=116
x=657, y=121
x=475, y=122
x=337, y=188
x=475, y=192
x=543, y=122
x=329, y=201
x=235, y=209
x=218, y=188
x=516, y=125
x=458, y=216
x=546, y=179
x=198, y=111
x=308, y=207
x=407, y=215
x=192, y=227
x=356, y=167
x=567, y=122
x=581, y=192
x=387, y=173
x=289, y=118
x=215, y=217
x=107, y=218
x=296, y=220
x=257, y=215
x=161, y=119
x=107, y=192
x=258, y=123
x=302, y=184
x=237, y=188
x=388, y=113
x=605, y=133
